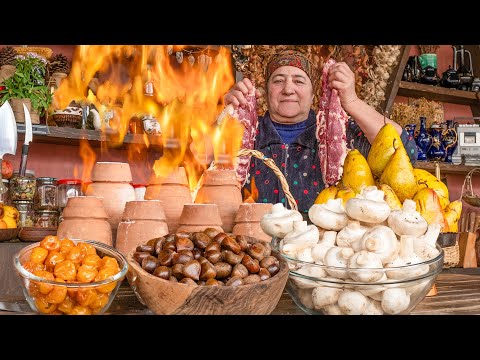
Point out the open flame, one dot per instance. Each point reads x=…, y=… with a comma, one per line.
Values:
x=149, y=81
x=251, y=197
x=88, y=156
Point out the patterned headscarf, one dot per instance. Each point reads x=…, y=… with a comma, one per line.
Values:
x=292, y=58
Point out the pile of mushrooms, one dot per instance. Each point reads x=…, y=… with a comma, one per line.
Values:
x=359, y=243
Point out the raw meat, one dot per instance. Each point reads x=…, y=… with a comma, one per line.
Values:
x=331, y=131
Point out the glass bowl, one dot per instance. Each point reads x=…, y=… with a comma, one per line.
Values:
x=328, y=290
x=74, y=296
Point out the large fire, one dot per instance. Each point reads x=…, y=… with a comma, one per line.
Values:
x=185, y=95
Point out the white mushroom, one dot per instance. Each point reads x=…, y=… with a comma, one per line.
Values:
x=366, y=263
x=382, y=241
x=352, y=302
x=407, y=221
x=338, y=257
x=406, y=257
x=374, y=307
x=424, y=246
x=395, y=300
x=369, y=206
x=320, y=249
x=333, y=309
x=329, y=216
x=305, y=297
x=372, y=290
x=323, y=296
x=279, y=221
x=311, y=271
x=351, y=234
x=302, y=234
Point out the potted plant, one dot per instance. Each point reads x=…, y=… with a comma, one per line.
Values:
x=28, y=82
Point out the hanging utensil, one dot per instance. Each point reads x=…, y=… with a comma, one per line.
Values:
x=28, y=139
x=8, y=136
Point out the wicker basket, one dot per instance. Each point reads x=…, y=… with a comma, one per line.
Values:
x=41, y=51
x=68, y=120
x=452, y=256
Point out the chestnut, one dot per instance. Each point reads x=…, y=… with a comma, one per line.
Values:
x=154, y=242
x=223, y=269
x=182, y=256
x=207, y=271
x=252, y=278
x=234, y=281
x=192, y=269
x=188, y=281
x=264, y=274
x=214, y=282
x=159, y=245
x=242, y=241
x=219, y=237
x=212, y=245
x=163, y=272
x=211, y=232
x=251, y=264
x=201, y=260
x=268, y=248
x=139, y=256
x=232, y=258
x=230, y=243
x=145, y=248
x=196, y=253
x=267, y=261
x=184, y=243
x=173, y=278
x=169, y=245
x=177, y=271
x=257, y=251
x=273, y=269
x=169, y=237
x=182, y=235
x=240, y=271
x=213, y=256
x=201, y=240
x=149, y=264
x=165, y=257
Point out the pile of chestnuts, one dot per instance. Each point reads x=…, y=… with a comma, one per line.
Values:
x=210, y=258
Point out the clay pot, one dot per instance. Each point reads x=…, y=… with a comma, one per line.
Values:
x=222, y=188
x=85, y=218
x=141, y=221
x=198, y=217
x=173, y=191
x=247, y=221
x=111, y=181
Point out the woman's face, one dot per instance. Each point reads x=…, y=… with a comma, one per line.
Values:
x=289, y=95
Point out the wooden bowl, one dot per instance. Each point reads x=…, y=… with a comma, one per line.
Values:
x=34, y=234
x=165, y=297
x=8, y=234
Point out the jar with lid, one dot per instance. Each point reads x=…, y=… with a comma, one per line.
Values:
x=5, y=197
x=46, y=194
x=68, y=188
x=46, y=218
x=26, y=213
x=22, y=188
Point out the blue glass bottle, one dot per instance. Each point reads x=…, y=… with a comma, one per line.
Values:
x=449, y=140
x=423, y=140
x=437, y=150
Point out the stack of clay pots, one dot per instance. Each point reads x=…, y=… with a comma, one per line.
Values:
x=222, y=188
x=141, y=221
x=85, y=218
x=198, y=217
x=173, y=191
x=111, y=181
x=247, y=221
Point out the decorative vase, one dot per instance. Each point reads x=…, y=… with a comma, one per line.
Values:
x=173, y=191
x=111, y=181
x=450, y=140
x=222, y=188
x=423, y=140
x=247, y=221
x=436, y=151
x=84, y=217
x=141, y=221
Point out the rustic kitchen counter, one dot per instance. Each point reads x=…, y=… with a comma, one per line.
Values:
x=458, y=294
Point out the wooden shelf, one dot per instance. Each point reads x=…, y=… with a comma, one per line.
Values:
x=70, y=136
x=445, y=168
x=437, y=93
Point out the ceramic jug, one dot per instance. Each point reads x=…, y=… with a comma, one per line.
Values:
x=449, y=140
x=423, y=140
x=437, y=150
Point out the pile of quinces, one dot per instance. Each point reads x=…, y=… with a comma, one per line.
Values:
x=389, y=168
x=8, y=217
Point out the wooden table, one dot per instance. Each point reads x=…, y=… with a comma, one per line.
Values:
x=458, y=293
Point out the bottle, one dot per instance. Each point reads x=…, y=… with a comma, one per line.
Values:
x=5, y=197
x=22, y=188
x=46, y=196
x=26, y=213
x=68, y=188
x=46, y=218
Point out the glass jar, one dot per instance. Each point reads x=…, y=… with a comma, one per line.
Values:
x=22, y=188
x=46, y=196
x=46, y=218
x=5, y=197
x=68, y=188
x=26, y=213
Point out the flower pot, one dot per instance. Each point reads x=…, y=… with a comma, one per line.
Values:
x=247, y=221
x=198, y=217
x=17, y=107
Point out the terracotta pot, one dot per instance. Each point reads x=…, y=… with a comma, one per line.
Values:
x=198, y=217
x=116, y=191
x=247, y=221
x=222, y=188
x=141, y=221
x=173, y=191
x=85, y=218
x=17, y=107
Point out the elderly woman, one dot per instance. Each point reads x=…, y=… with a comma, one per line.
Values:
x=286, y=133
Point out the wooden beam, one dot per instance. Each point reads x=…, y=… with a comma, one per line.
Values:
x=437, y=93
x=395, y=78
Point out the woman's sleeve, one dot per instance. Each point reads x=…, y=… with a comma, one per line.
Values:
x=357, y=140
